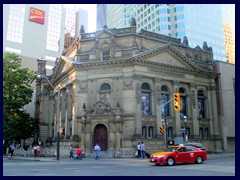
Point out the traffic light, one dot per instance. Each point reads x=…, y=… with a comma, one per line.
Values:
x=177, y=101
x=161, y=128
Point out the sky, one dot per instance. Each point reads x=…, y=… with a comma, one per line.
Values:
x=91, y=8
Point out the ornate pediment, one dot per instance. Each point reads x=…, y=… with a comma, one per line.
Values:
x=62, y=66
x=101, y=108
x=65, y=67
x=103, y=34
x=169, y=56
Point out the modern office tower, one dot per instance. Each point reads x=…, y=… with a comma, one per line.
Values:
x=228, y=14
x=81, y=19
x=101, y=15
x=70, y=22
x=36, y=31
x=199, y=22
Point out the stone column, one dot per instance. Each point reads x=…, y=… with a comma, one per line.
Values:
x=58, y=116
x=193, y=105
x=157, y=104
x=74, y=110
x=68, y=109
x=118, y=127
x=214, y=123
x=138, y=114
x=51, y=114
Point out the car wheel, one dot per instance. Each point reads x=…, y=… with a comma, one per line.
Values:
x=199, y=160
x=170, y=161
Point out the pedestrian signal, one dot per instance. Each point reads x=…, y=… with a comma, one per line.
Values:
x=177, y=101
x=161, y=129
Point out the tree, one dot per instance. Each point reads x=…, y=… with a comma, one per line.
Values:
x=17, y=93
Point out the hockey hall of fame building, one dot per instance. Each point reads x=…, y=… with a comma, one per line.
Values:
x=111, y=88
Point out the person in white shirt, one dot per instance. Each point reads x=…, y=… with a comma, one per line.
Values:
x=139, y=149
x=97, y=149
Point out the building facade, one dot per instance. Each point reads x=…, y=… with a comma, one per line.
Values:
x=199, y=22
x=113, y=91
x=226, y=103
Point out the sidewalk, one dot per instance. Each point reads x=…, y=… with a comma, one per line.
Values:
x=29, y=158
x=54, y=159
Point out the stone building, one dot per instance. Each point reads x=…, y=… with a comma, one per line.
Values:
x=111, y=89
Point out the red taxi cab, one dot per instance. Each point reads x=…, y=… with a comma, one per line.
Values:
x=179, y=154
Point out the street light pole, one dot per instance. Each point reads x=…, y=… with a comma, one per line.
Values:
x=165, y=127
x=58, y=145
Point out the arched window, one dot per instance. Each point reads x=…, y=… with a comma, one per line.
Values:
x=105, y=93
x=164, y=99
x=145, y=99
x=105, y=87
x=183, y=111
x=201, y=104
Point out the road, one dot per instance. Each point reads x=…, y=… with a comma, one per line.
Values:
x=216, y=165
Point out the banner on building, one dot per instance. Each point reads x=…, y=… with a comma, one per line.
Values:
x=37, y=15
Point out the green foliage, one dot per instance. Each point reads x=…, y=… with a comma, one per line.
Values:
x=17, y=93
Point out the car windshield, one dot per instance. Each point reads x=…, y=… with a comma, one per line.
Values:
x=171, y=149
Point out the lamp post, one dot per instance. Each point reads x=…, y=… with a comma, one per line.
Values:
x=40, y=76
x=165, y=126
x=185, y=132
x=58, y=144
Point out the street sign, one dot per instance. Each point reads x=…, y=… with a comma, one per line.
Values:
x=183, y=130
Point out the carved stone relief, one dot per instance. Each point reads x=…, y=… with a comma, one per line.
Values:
x=128, y=81
x=83, y=85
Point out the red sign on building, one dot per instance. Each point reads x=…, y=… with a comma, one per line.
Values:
x=37, y=15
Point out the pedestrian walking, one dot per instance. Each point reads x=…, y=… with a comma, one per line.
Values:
x=12, y=147
x=143, y=149
x=97, y=149
x=35, y=151
x=71, y=151
x=38, y=151
x=25, y=148
x=139, y=149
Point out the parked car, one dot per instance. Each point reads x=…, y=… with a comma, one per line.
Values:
x=197, y=145
x=179, y=154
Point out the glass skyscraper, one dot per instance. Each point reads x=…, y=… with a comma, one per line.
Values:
x=199, y=22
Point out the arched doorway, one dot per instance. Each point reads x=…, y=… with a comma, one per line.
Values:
x=101, y=137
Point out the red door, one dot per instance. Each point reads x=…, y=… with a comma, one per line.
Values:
x=100, y=137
